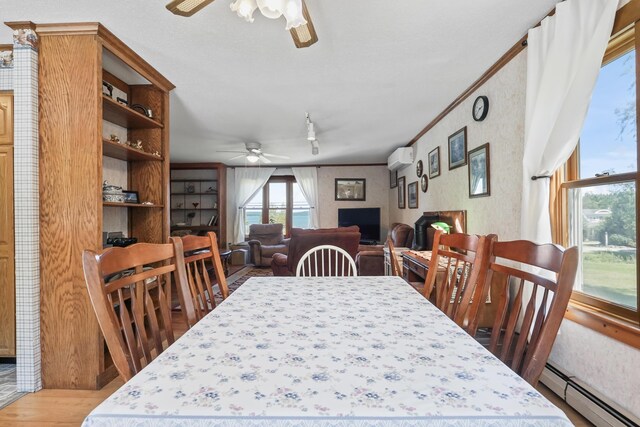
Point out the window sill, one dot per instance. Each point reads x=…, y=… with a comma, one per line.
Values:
x=613, y=327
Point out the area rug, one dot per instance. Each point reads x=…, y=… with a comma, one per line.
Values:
x=8, y=391
x=236, y=280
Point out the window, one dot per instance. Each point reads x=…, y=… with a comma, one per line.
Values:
x=600, y=208
x=280, y=201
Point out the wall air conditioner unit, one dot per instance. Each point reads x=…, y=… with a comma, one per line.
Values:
x=399, y=158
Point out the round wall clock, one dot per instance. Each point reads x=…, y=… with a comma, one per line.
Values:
x=480, y=108
x=424, y=183
x=419, y=168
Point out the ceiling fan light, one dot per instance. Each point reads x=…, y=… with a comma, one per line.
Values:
x=315, y=148
x=293, y=14
x=271, y=8
x=244, y=9
x=303, y=33
x=252, y=158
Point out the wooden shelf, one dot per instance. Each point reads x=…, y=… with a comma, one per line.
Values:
x=194, y=227
x=194, y=209
x=123, y=152
x=124, y=116
x=195, y=180
x=130, y=205
x=211, y=193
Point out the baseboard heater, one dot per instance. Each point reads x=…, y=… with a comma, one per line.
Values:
x=585, y=400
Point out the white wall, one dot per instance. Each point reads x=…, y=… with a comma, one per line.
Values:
x=608, y=366
x=377, y=186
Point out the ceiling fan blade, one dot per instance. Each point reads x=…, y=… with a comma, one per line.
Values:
x=275, y=156
x=225, y=151
x=236, y=157
x=264, y=159
x=304, y=35
x=187, y=7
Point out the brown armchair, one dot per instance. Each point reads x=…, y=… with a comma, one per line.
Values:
x=370, y=259
x=266, y=240
x=347, y=238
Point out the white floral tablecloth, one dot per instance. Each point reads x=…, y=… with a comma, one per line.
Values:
x=363, y=351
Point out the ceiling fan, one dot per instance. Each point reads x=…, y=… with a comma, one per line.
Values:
x=295, y=12
x=253, y=153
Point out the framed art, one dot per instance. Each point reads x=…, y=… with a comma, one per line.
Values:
x=458, y=149
x=412, y=195
x=393, y=179
x=479, y=172
x=434, y=162
x=401, y=193
x=424, y=183
x=419, y=168
x=131, y=197
x=353, y=189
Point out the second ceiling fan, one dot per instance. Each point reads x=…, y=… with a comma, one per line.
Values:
x=295, y=12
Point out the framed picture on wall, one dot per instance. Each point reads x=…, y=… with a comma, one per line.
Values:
x=434, y=163
x=393, y=179
x=401, y=193
x=479, y=172
x=412, y=195
x=353, y=189
x=458, y=149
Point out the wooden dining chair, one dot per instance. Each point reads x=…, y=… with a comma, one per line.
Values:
x=130, y=290
x=395, y=265
x=198, y=251
x=326, y=260
x=456, y=274
x=539, y=302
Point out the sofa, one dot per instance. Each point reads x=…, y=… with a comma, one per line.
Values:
x=347, y=238
x=266, y=240
x=370, y=259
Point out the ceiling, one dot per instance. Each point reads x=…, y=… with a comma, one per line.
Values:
x=381, y=71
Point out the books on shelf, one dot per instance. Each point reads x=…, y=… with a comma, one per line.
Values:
x=213, y=221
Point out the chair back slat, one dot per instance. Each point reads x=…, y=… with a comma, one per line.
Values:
x=326, y=260
x=393, y=260
x=523, y=340
x=198, y=250
x=455, y=273
x=130, y=290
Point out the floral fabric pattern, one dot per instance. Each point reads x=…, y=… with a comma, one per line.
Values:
x=348, y=351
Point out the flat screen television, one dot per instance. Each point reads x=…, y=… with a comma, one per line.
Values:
x=368, y=219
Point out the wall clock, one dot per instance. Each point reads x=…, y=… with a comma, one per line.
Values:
x=419, y=168
x=480, y=108
x=424, y=183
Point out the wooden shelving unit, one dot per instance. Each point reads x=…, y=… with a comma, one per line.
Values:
x=199, y=176
x=73, y=122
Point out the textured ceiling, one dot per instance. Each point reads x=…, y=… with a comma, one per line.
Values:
x=380, y=72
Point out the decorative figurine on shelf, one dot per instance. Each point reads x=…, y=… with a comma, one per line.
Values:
x=156, y=154
x=122, y=101
x=195, y=205
x=144, y=110
x=210, y=190
x=114, y=138
x=147, y=203
x=190, y=217
x=190, y=188
x=107, y=89
x=137, y=145
x=179, y=205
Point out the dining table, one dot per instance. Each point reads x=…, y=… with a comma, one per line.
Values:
x=326, y=351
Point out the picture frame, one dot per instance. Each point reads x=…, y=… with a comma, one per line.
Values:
x=393, y=179
x=412, y=195
x=434, y=162
x=419, y=168
x=479, y=171
x=352, y=189
x=424, y=183
x=401, y=193
x=458, y=149
x=131, y=197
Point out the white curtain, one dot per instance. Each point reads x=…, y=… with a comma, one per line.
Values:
x=563, y=61
x=248, y=181
x=307, y=178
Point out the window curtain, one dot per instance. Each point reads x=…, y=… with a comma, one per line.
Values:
x=307, y=179
x=248, y=181
x=564, y=56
